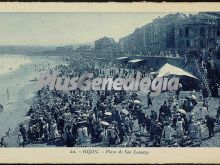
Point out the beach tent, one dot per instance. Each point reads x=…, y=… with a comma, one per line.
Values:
x=168, y=69
x=121, y=58
x=135, y=60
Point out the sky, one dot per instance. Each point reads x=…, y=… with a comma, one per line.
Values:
x=50, y=29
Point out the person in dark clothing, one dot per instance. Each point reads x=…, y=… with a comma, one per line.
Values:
x=70, y=140
x=31, y=110
x=23, y=133
x=214, y=89
x=149, y=100
x=148, y=123
x=60, y=125
x=122, y=133
x=204, y=92
x=141, y=117
x=153, y=115
x=185, y=123
x=152, y=129
x=158, y=134
x=74, y=130
x=210, y=123
x=218, y=115
x=174, y=121
x=90, y=123
x=41, y=128
x=177, y=93
x=161, y=110
x=93, y=134
x=161, y=118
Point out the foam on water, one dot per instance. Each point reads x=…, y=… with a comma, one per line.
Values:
x=10, y=63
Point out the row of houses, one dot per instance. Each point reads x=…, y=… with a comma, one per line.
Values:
x=174, y=32
x=105, y=47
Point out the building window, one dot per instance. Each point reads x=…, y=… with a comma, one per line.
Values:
x=202, y=31
x=202, y=44
x=186, y=31
x=180, y=32
x=191, y=43
x=187, y=43
x=218, y=31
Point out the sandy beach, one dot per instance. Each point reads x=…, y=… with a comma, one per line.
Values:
x=20, y=90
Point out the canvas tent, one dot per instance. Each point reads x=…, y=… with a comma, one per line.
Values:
x=121, y=58
x=168, y=69
x=135, y=60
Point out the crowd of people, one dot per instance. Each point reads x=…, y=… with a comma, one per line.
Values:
x=114, y=118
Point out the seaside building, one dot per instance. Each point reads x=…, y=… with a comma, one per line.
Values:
x=174, y=32
x=105, y=47
x=83, y=48
x=64, y=48
x=197, y=32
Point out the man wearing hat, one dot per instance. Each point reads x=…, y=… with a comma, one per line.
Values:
x=210, y=123
x=23, y=132
x=149, y=100
x=153, y=115
x=122, y=132
x=158, y=133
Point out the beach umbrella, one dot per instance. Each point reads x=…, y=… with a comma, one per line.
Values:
x=194, y=97
x=81, y=123
x=153, y=73
x=108, y=113
x=137, y=101
x=125, y=102
x=182, y=111
x=84, y=115
x=125, y=111
x=105, y=123
x=78, y=111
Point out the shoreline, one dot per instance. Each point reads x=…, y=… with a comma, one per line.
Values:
x=10, y=63
x=21, y=93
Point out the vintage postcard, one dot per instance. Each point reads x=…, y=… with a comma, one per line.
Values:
x=109, y=83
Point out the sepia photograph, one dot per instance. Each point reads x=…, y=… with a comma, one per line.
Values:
x=109, y=80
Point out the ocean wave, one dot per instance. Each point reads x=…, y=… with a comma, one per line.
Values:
x=10, y=63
